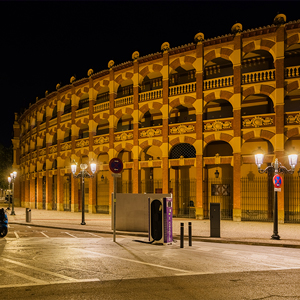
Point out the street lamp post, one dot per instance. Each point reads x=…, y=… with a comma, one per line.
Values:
x=277, y=168
x=9, y=181
x=13, y=176
x=83, y=173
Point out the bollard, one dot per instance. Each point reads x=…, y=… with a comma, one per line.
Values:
x=190, y=233
x=28, y=215
x=181, y=234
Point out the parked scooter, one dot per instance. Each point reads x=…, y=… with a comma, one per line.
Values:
x=3, y=223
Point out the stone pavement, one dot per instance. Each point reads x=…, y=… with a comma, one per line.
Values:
x=256, y=233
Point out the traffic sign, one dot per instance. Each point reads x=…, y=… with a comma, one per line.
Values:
x=116, y=165
x=277, y=181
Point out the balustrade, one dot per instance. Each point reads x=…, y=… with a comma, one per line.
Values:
x=124, y=101
x=218, y=82
x=150, y=95
x=66, y=117
x=82, y=112
x=101, y=107
x=182, y=89
x=291, y=72
x=265, y=75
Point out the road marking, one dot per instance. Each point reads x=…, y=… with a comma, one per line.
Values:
x=134, y=261
x=39, y=269
x=71, y=235
x=204, y=248
x=17, y=236
x=46, y=283
x=29, y=226
x=23, y=276
x=45, y=235
x=94, y=234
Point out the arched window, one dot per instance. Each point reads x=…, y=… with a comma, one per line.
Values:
x=54, y=139
x=54, y=113
x=54, y=164
x=83, y=132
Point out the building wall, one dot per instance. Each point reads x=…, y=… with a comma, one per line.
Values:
x=224, y=96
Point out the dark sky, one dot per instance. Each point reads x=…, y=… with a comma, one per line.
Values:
x=45, y=43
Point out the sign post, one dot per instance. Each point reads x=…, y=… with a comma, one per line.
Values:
x=277, y=181
x=116, y=167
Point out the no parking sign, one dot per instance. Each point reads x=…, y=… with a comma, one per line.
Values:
x=277, y=181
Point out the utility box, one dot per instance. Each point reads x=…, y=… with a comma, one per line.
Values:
x=160, y=219
x=215, y=220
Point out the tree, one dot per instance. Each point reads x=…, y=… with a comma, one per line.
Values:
x=6, y=161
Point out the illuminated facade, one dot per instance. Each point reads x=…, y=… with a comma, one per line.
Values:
x=185, y=120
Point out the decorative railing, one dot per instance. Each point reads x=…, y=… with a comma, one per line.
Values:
x=101, y=107
x=182, y=89
x=124, y=101
x=258, y=76
x=52, y=122
x=216, y=125
x=53, y=149
x=258, y=121
x=66, y=117
x=66, y=146
x=292, y=118
x=182, y=128
x=291, y=72
x=150, y=95
x=99, y=140
x=123, y=136
x=216, y=83
x=82, y=143
x=82, y=112
x=33, y=130
x=150, y=132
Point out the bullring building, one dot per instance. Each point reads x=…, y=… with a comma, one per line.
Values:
x=186, y=120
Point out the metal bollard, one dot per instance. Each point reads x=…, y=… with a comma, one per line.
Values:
x=190, y=233
x=181, y=234
x=28, y=215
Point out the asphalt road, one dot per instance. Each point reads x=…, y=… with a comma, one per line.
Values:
x=40, y=263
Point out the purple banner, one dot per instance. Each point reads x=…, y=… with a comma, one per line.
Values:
x=168, y=220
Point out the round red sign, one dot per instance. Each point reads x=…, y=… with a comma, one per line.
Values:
x=277, y=181
x=116, y=165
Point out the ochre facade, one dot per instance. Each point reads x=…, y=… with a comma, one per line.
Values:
x=186, y=120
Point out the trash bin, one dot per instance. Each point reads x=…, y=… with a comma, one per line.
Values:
x=28, y=215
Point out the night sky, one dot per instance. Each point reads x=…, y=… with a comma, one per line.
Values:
x=45, y=43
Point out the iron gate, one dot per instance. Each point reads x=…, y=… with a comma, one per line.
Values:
x=102, y=205
x=184, y=197
x=151, y=186
x=124, y=186
x=44, y=192
x=291, y=199
x=257, y=198
x=67, y=192
x=54, y=192
x=218, y=190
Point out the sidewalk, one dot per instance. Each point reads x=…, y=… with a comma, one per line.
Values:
x=252, y=233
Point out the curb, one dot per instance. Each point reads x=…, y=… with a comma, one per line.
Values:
x=177, y=237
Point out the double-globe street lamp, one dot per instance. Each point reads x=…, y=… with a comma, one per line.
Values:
x=83, y=173
x=276, y=168
x=12, y=178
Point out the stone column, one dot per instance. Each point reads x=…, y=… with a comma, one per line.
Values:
x=60, y=190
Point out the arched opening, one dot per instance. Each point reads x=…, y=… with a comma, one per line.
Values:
x=103, y=127
x=125, y=88
x=54, y=112
x=218, y=67
x=84, y=101
x=103, y=95
x=54, y=139
x=292, y=56
x=125, y=123
x=182, y=74
x=67, y=135
x=152, y=81
x=292, y=102
x=67, y=107
x=218, y=179
x=151, y=118
x=125, y=183
x=217, y=109
x=182, y=114
x=257, y=190
x=257, y=104
x=83, y=131
x=257, y=60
